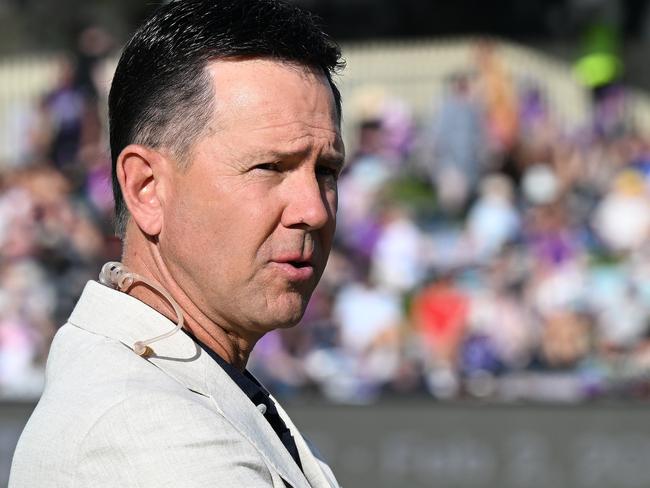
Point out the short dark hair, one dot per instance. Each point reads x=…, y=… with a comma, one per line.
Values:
x=161, y=94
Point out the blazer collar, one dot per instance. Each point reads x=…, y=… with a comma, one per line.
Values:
x=116, y=315
x=309, y=456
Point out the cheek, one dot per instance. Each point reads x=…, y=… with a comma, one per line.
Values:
x=193, y=229
x=189, y=219
x=221, y=234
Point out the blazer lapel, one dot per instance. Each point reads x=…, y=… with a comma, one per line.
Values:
x=240, y=411
x=315, y=473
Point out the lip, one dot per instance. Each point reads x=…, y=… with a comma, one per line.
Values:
x=293, y=273
x=285, y=265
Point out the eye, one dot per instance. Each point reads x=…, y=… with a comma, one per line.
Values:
x=267, y=167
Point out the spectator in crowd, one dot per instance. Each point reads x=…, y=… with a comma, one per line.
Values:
x=458, y=145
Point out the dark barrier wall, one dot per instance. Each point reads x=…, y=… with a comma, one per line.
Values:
x=426, y=445
x=13, y=417
x=430, y=445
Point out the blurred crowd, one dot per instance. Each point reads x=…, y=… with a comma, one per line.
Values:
x=487, y=250
x=55, y=213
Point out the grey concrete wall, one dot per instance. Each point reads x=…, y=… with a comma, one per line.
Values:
x=423, y=444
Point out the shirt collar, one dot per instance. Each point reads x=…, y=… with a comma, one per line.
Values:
x=252, y=388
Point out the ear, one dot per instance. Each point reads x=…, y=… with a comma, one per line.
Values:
x=141, y=172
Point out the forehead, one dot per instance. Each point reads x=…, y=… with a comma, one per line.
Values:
x=259, y=96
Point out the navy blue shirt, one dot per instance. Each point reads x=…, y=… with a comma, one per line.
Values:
x=259, y=396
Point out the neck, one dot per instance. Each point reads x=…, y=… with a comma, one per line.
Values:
x=222, y=338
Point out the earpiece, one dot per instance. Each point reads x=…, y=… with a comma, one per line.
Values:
x=117, y=276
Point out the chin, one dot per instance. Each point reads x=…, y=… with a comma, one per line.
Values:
x=287, y=312
x=288, y=319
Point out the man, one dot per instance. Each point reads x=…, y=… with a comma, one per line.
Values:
x=226, y=150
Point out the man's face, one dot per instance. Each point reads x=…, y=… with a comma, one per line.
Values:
x=248, y=226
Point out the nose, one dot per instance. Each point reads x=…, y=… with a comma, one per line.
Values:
x=310, y=204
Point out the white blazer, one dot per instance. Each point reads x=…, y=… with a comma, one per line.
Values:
x=109, y=418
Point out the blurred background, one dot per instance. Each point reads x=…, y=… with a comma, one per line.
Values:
x=484, y=319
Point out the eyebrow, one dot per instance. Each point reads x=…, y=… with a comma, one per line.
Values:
x=335, y=158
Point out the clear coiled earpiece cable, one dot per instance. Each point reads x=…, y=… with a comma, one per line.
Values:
x=118, y=276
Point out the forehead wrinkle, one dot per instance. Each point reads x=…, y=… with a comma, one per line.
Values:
x=303, y=138
x=273, y=120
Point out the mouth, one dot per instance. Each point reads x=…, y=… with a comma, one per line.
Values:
x=294, y=268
